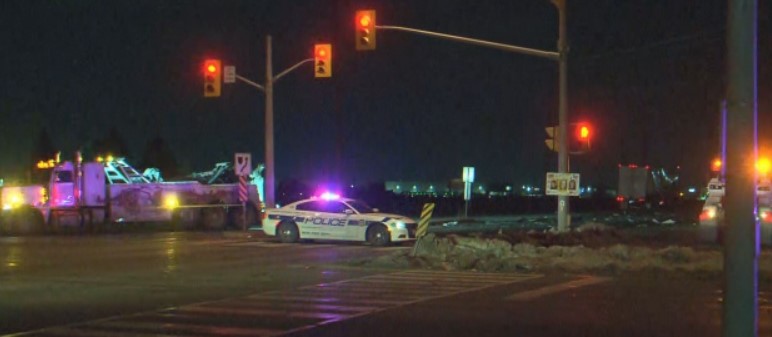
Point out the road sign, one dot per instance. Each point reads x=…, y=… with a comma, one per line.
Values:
x=468, y=175
x=563, y=184
x=242, y=164
x=229, y=74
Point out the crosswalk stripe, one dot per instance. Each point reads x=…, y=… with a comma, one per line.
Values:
x=258, y=312
x=75, y=332
x=152, y=328
x=271, y=303
x=287, y=311
x=328, y=299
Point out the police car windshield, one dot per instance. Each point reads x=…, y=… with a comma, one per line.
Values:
x=360, y=206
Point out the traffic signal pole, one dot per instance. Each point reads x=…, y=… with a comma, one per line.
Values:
x=741, y=242
x=270, y=177
x=561, y=56
x=564, y=218
x=267, y=88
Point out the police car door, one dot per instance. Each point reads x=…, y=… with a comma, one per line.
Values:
x=333, y=220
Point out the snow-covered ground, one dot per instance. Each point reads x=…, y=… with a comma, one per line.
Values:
x=596, y=249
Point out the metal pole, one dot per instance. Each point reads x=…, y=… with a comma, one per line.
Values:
x=563, y=201
x=741, y=242
x=269, y=165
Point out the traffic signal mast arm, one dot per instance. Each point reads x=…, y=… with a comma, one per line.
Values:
x=495, y=45
x=275, y=78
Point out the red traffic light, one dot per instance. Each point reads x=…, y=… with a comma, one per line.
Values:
x=323, y=60
x=364, y=20
x=212, y=78
x=584, y=132
x=365, y=30
x=716, y=165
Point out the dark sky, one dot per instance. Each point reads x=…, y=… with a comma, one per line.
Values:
x=648, y=73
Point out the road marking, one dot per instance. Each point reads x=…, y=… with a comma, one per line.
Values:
x=549, y=290
x=276, y=313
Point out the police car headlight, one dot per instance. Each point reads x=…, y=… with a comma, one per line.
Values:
x=399, y=225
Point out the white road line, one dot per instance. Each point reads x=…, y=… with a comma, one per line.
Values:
x=332, y=299
x=258, y=312
x=278, y=304
x=303, y=308
x=548, y=290
x=160, y=327
x=74, y=332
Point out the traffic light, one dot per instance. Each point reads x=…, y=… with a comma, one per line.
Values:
x=323, y=60
x=212, y=78
x=365, y=30
x=715, y=166
x=581, y=135
x=552, y=141
x=763, y=166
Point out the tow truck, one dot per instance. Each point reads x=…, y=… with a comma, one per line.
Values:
x=96, y=193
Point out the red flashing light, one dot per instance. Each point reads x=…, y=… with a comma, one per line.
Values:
x=632, y=166
x=211, y=68
x=365, y=20
x=584, y=132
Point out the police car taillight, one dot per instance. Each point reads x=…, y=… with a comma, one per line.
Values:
x=765, y=216
x=708, y=213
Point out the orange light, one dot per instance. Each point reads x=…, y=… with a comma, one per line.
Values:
x=763, y=165
x=322, y=52
x=584, y=132
x=211, y=68
x=365, y=20
x=716, y=165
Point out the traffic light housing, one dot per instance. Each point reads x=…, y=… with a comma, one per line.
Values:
x=212, y=78
x=552, y=138
x=365, y=30
x=322, y=60
x=580, y=138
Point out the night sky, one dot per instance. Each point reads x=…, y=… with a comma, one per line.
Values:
x=648, y=74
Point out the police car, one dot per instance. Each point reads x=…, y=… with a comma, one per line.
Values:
x=330, y=217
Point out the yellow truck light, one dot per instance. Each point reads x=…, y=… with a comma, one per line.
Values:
x=171, y=201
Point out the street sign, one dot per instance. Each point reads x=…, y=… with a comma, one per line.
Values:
x=468, y=175
x=229, y=74
x=562, y=184
x=242, y=164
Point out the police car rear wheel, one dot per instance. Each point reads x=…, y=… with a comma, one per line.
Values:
x=378, y=235
x=288, y=232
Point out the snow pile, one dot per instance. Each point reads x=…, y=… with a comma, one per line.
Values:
x=467, y=253
x=454, y=252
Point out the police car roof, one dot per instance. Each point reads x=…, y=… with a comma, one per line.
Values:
x=318, y=199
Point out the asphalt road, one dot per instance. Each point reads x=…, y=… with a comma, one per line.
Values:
x=210, y=284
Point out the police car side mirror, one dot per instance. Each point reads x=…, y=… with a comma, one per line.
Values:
x=375, y=210
x=348, y=212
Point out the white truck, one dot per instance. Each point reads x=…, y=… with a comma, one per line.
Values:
x=633, y=184
x=96, y=193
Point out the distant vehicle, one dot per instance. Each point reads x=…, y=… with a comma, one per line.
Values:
x=713, y=210
x=95, y=193
x=330, y=217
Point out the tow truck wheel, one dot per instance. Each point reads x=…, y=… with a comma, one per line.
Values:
x=27, y=221
x=378, y=235
x=288, y=232
x=213, y=218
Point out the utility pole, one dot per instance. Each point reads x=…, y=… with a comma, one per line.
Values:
x=270, y=175
x=564, y=218
x=741, y=243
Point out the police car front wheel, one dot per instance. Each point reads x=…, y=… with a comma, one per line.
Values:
x=288, y=232
x=378, y=235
